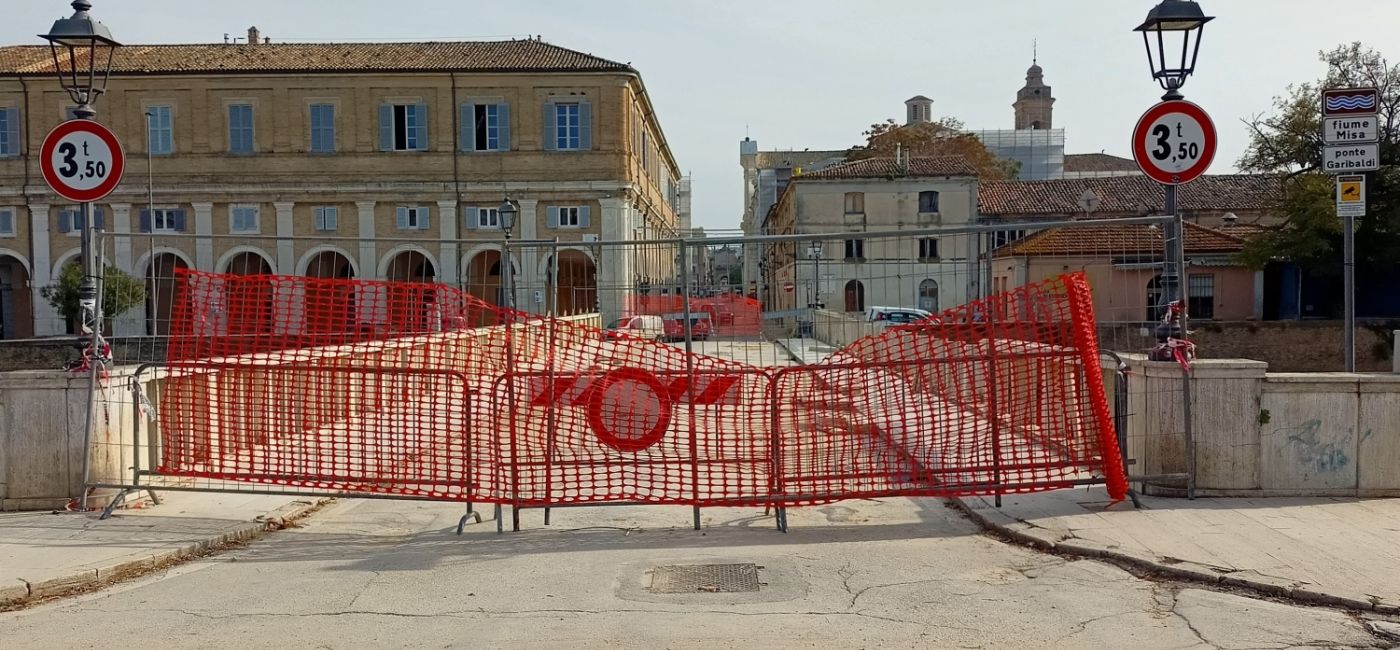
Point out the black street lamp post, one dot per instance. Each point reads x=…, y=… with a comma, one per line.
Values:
x=506, y=213
x=82, y=51
x=1171, y=34
x=1175, y=27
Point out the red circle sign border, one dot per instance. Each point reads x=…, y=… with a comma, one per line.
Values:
x=595, y=409
x=1140, y=146
x=51, y=175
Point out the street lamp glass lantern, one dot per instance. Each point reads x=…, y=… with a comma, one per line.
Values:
x=82, y=51
x=1172, y=35
x=507, y=215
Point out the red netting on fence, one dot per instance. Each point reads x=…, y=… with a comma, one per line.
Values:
x=731, y=315
x=373, y=387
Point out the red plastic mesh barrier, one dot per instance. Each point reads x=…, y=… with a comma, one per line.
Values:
x=394, y=388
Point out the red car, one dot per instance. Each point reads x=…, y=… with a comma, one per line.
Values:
x=647, y=328
x=701, y=326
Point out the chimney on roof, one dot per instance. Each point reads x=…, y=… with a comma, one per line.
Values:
x=254, y=36
x=901, y=159
x=1229, y=219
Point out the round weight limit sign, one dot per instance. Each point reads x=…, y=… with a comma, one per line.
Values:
x=81, y=160
x=1174, y=142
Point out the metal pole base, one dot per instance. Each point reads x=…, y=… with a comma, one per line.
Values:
x=117, y=502
x=462, y=523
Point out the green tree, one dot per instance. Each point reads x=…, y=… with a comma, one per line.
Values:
x=946, y=137
x=1288, y=141
x=120, y=293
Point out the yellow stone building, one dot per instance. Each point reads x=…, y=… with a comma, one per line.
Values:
x=363, y=160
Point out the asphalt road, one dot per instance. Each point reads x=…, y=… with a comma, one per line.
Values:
x=896, y=573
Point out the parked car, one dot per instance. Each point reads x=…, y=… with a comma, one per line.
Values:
x=701, y=326
x=888, y=316
x=648, y=328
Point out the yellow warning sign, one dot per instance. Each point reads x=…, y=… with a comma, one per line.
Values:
x=1351, y=196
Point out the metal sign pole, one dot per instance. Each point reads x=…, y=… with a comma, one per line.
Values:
x=1349, y=288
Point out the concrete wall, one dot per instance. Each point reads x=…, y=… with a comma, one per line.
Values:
x=1287, y=346
x=840, y=330
x=42, y=412
x=1267, y=434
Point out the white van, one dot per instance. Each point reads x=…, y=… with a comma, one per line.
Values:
x=895, y=315
x=647, y=328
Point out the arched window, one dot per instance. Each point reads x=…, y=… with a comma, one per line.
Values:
x=1154, y=298
x=855, y=202
x=928, y=295
x=855, y=296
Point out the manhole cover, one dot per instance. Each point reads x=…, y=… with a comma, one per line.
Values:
x=704, y=578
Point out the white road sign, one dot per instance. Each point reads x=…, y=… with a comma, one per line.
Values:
x=1351, y=130
x=1343, y=158
x=81, y=160
x=1174, y=142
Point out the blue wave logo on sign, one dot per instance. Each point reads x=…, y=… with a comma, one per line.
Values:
x=1350, y=102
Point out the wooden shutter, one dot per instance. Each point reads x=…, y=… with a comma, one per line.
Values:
x=503, y=126
x=386, y=127
x=550, y=131
x=585, y=126
x=466, y=131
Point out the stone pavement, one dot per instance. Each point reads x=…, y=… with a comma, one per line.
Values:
x=45, y=553
x=888, y=573
x=1334, y=551
x=805, y=351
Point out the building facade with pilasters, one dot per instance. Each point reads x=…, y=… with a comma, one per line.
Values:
x=366, y=160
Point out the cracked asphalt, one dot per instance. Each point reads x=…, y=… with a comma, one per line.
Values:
x=895, y=573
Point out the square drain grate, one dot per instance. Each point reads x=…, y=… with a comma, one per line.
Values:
x=704, y=578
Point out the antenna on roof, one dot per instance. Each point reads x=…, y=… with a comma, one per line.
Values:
x=1035, y=50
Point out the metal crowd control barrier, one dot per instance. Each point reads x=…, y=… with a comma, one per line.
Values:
x=982, y=280
x=148, y=452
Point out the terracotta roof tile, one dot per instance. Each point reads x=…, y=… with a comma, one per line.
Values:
x=1105, y=239
x=471, y=56
x=775, y=159
x=1098, y=162
x=1126, y=194
x=887, y=168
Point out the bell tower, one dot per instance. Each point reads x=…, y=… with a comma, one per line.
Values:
x=1034, y=104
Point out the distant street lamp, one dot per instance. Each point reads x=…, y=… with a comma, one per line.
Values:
x=814, y=253
x=506, y=215
x=1171, y=24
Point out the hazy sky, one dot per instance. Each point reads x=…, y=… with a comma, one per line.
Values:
x=814, y=74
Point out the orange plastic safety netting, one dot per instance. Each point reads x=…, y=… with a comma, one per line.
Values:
x=424, y=390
